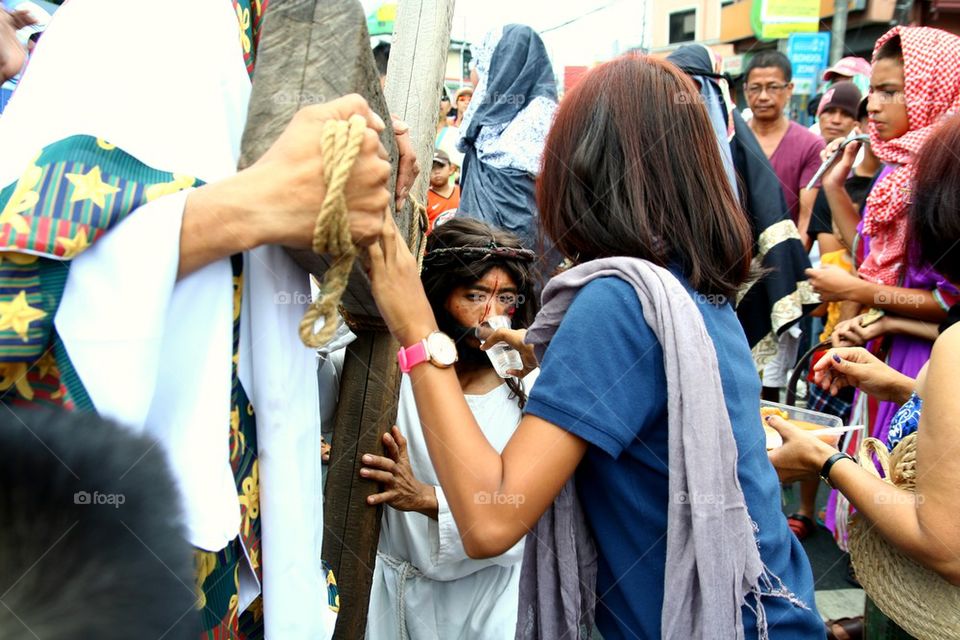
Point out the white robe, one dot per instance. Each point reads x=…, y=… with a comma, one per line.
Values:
x=424, y=585
x=166, y=83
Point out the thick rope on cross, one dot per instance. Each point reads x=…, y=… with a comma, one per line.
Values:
x=341, y=142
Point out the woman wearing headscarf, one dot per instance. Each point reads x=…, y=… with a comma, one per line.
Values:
x=772, y=305
x=504, y=132
x=915, y=84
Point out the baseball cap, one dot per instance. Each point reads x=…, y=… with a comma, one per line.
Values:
x=441, y=157
x=842, y=95
x=849, y=67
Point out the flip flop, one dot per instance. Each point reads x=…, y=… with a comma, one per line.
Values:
x=801, y=526
x=845, y=628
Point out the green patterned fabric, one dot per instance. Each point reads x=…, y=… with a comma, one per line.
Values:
x=74, y=191
x=218, y=579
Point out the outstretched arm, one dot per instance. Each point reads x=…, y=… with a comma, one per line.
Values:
x=922, y=524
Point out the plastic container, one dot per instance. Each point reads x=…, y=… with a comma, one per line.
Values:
x=831, y=428
x=502, y=356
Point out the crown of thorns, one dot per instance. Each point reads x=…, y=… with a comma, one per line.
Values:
x=490, y=250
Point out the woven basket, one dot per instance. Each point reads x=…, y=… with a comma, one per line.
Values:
x=916, y=598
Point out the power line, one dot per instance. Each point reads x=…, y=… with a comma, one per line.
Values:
x=580, y=17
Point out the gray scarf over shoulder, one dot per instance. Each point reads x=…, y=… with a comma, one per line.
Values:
x=713, y=561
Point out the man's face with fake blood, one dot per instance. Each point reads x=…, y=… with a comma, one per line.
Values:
x=495, y=294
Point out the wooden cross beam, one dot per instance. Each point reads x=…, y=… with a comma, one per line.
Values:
x=315, y=51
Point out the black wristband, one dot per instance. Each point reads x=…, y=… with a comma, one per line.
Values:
x=828, y=465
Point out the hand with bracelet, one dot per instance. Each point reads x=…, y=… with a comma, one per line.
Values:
x=804, y=455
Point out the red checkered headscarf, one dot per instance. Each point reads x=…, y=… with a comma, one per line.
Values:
x=931, y=71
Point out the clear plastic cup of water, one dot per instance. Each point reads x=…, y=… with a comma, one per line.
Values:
x=502, y=356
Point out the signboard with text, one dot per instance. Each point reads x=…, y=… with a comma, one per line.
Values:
x=809, y=55
x=773, y=19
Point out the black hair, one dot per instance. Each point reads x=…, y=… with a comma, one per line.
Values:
x=381, y=56
x=892, y=49
x=462, y=251
x=91, y=540
x=770, y=58
x=935, y=207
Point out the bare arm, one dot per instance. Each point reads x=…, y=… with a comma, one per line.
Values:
x=807, y=198
x=843, y=210
x=834, y=284
x=922, y=525
x=12, y=54
x=853, y=333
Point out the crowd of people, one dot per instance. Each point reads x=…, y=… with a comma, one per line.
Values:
x=651, y=275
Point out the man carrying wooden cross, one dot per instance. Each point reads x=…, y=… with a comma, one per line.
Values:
x=144, y=278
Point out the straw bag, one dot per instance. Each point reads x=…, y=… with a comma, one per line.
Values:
x=916, y=598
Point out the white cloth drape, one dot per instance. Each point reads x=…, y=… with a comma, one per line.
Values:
x=167, y=84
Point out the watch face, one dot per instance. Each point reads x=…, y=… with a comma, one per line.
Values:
x=442, y=349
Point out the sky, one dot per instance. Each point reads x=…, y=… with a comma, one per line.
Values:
x=598, y=29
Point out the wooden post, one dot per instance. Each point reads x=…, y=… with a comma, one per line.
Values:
x=314, y=51
x=371, y=378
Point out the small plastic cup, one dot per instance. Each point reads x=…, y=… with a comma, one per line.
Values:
x=502, y=356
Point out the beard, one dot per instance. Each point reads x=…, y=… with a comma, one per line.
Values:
x=463, y=337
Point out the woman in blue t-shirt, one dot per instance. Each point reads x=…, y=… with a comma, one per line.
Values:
x=647, y=398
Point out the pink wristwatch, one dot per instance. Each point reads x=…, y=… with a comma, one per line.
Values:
x=437, y=348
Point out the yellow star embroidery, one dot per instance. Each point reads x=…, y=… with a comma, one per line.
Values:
x=236, y=436
x=48, y=365
x=15, y=374
x=179, y=183
x=17, y=258
x=243, y=17
x=18, y=314
x=72, y=247
x=90, y=186
x=204, y=563
x=251, y=497
x=22, y=199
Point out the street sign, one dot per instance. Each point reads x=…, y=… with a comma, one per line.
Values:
x=773, y=19
x=809, y=55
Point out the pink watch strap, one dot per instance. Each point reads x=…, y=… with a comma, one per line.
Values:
x=412, y=356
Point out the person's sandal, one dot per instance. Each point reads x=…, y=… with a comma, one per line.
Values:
x=845, y=628
x=801, y=526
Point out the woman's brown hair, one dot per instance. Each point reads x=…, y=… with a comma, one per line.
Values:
x=632, y=168
x=935, y=206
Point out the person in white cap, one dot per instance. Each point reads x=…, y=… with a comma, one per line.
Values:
x=852, y=68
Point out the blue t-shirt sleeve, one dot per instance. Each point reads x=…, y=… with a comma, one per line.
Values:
x=602, y=376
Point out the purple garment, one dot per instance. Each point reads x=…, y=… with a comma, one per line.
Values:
x=906, y=354
x=795, y=161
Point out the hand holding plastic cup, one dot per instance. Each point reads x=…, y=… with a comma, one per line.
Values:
x=502, y=356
